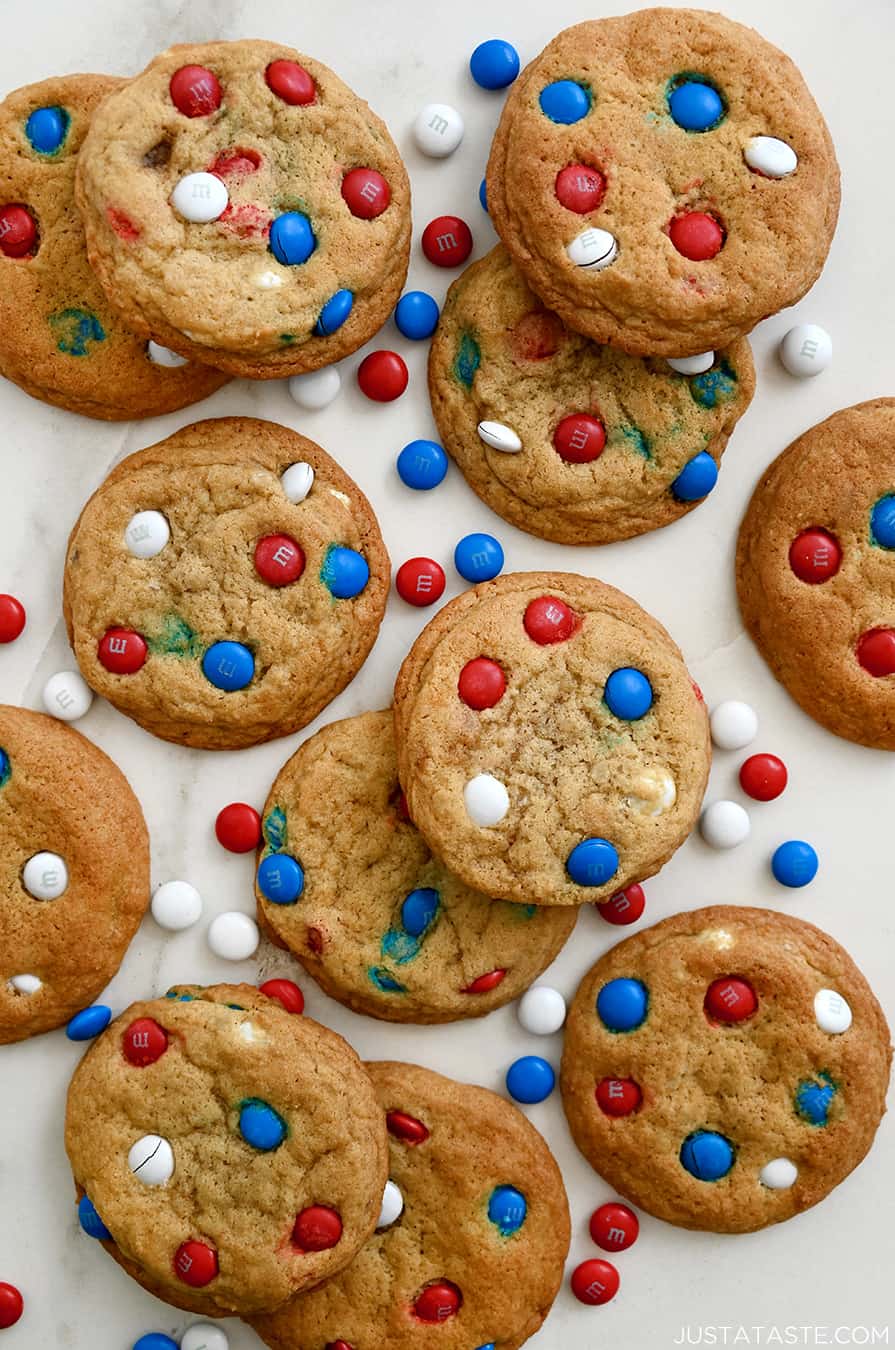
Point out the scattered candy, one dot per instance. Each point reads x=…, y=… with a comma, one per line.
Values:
x=494, y=64
x=314, y=391
x=67, y=695
x=261, y=1126
x=542, y=1010
x=152, y=1160
x=730, y=1000
x=382, y=376
x=281, y=879
x=770, y=157
x=45, y=876
x=176, y=905
x=530, y=1079
x=806, y=350
x=416, y=315
x=815, y=556
x=692, y=365
x=593, y=862
x=144, y=1042
x=196, y=1264
x=155, y=1340
x=707, y=1155
x=89, y=1022
x=593, y=248
x=483, y=195
x=579, y=439
x=203, y=1335
x=392, y=1206
x=195, y=91
x=292, y=83
x=334, y=313
x=594, y=1282
x=696, y=479
x=12, y=618
x=614, y=1227
x=18, y=232
x=420, y=581
x=734, y=725
x=486, y=800
x=794, y=864
x=628, y=694
x=11, y=1305
x=832, y=1012
x=622, y=1004
x=317, y=1228
x=478, y=557
x=292, y=241
x=696, y=235
x=618, y=1096
x=438, y=1302
x=763, y=777
x=624, y=907
x=90, y=1221
x=298, y=479
x=238, y=827
x=229, y=666
x=481, y=684
x=548, y=619
x=437, y=130
x=447, y=241
x=695, y=106
x=724, y=824
x=163, y=356
x=46, y=129
x=122, y=651
x=779, y=1174
x=286, y=993
x=278, y=559
x=200, y=198
x=365, y=193
x=146, y=534
x=579, y=188
x=499, y=437
x=876, y=652
x=422, y=465
x=565, y=101
x=233, y=936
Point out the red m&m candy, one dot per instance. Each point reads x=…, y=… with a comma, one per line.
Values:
x=594, y=1282
x=195, y=91
x=196, y=1264
x=815, y=556
x=406, y=1128
x=286, y=993
x=420, y=581
x=290, y=82
x=481, y=684
x=18, y=232
x=614, y=1227
x=730, y=999
x=317, y=1228
x=697, y=235
x=12, y=618
x=238, y=827
x=382, y=376
x=144, y=1042
x=338, y=1345
x=763, y=777
x=447, y=241
x=579, y=438
x=122, y=651
x=278, y=559
x=485, y=983
x=876, y=651
x=618, y=1096
x=438, y=1302
x=366, y=193
x=579, y=188
x=11, y=1305
x=625, y=906
x=548, y=619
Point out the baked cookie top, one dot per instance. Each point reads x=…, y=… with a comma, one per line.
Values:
x=816, y=571
x=551, y=743
x=235, y=1153
x=565, y=438
x=664, y=180
x=378, y=921
x=726, y=1068
x=223, y=586
x=60, y=339
x=244, y=206
x=74, y=872
x=472, y=1255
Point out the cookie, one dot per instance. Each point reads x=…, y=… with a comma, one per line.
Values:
x=234, y=1153
x=348, y=884
x=74, y=881
x=245, y=208
x=478, y=1229
x=664, y=180
x=816, y=572
x=726, y=1068
x=223, y=586
x=569, y=440
x=551, y=743
x=60, y=339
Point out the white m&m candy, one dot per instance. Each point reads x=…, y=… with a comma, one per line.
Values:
x=499, y=437
x=392, y=1206
x=163, y=356
x=200, y=197
x=146, y=534
x=593, y=248
x=806, y=350
x=26, y=984
x=724, y=825
x=176, y=905
x=542, y=1010
x=67, y=695
x=233, y=936
x=297, y=481
x=486, y=800
x=832, y=1012
x=438, y=130
x=779, y=1174
x=45, y=876
x=316, y=389
x=204, y=1336
x=152, y=1160
x=734, y=725
x=770, y=157
x=692, y=365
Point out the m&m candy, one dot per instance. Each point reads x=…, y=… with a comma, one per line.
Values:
x=594, y=1282
x=622, y=1004
x=548, y=619
x=345, y=572
x=770, y=157
x=763, y=777
x=281, y=878
x=437, y=1302
x=90, y=1221
x=815, y=555
x=11, y=1305
x=279, y=560
x=238, y=827
x=233, y=936
x=261, y=1126
x=422, y=465
x=695, y=106
x=707, y=1155
x=481, y=684
x=292, y=240
x=625, y=906
x=176, y=905
x=89, y=1022
x=806, y=350
x=734, y=725
x=286, y=993
x=724, y=824
x=614, y=1227
x=195, y=91
x=204, y=1336
x=382, y=376
x=730, y=999
x=794, y=864
x=416, y=315
x=334, y=313
x=229, y=666
x=144, y=1042
x=290, y=82
x=494, y=64
x=12, y=618
x=447, y=241
x=392, y=1206
x=875, y=651
x=196, y=1263
x=628, y=694
x=46, y=129
x=696, y=235
x=541, y=1010
x=312, y=391
x=122, y=651
x=438, y=130
x=593, y=862
x=530, y=1079
x=406, y=1128
x=579, y=188
x=696, y=479
x=478, y=557
x=18, y=232
x=565, y=101
x=618, y=1096
x=579, y=438
x=154, y=1340
x=366, y=193
x=420, y=581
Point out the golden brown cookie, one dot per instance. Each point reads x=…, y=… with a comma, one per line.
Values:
x=223, y=586
x=379, y=922
x=234, y=1153
x=75, y=872
x=726, y=1068
x=816, y=572
x=570, y=440
x=60, y=339
x=551, y=743
x=245, y=208
x=473, y=1255
x=664, y=180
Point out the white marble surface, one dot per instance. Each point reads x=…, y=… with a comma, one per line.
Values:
x=822, y=1269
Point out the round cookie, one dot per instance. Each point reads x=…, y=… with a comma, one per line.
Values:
x=235, y=1153
x=74, y=878
x=664, y=180
x=726, y=1068
x=475, y=1257
x=816, y=570
x=60, y=340
x=290, y=248
x=605, y=437
x=551, y=743
x=379, y=922
x=223, y=586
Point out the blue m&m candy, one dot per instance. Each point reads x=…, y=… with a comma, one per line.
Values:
x=814, y=1098
x=695, y=106
x=155, y=1340
x=592, y=862
x=281, y=878
x=334, y=313
x=46, y=129
x=478, y=557
x=494, y=64
x=507, y=1209
x=228, y=666
x=622, y=1004
x=292, y=240
x=707, y=1155
x=794, y=863
x=422, y=465
x=416, y=315
x=261, y=1126
x=882, y=522
x=696, y=479
x=418, y=910
x=345, y=572
x=483, y=194
x=530, y=1079
x=628, y=694
x=89, y=1022
x=565, y=101
x=90, y=1221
